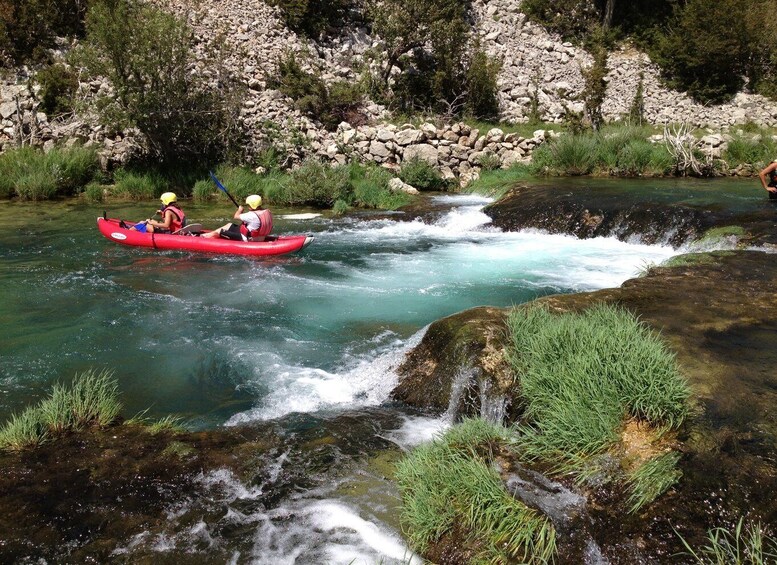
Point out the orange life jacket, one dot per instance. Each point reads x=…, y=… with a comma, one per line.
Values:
x=179, y=218
x=265, y=225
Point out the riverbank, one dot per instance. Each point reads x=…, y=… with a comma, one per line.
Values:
x=716, y=313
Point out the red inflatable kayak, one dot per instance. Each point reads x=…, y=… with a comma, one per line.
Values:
x=189, y=241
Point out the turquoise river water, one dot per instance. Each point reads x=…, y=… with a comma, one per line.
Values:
x=228, y=340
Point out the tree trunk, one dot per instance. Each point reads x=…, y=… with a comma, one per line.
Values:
x=609, y=8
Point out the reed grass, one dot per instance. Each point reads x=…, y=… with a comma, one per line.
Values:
x=91, y=400
x=757, y=150
x=582, y=374
x=32, y=174
x=497, y=182
x=749, y=545
x=451, y=482
x=137, y=185
x=652, y=479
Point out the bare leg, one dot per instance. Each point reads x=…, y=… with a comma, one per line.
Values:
x=216, y=232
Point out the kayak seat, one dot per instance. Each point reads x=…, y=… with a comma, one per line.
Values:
x=191, y=229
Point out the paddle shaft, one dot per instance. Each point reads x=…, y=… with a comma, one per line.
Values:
x=223, y=189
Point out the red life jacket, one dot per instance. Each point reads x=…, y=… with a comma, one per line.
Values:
x=265, y=225
x=179, y=218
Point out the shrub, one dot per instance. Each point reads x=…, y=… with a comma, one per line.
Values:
x=330, y=105
x=312, y=18
x=318, y=185
x=574, y=154
x=572, y=19
x=371, y=188
x=340, y=208
x=482, y=89
x=489, y=162
x=451, y=483
x=58, y=86
x=704, y=50
x=755, y=150
x=146, y=53
x=421, y=175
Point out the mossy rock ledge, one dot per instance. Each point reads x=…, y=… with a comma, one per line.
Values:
x=717, y=312
x=588, y=212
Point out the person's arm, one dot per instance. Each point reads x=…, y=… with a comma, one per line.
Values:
x=239, y=211
x=168, y=221
x=764, y=174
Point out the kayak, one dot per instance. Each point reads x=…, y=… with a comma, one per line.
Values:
x=189, y=240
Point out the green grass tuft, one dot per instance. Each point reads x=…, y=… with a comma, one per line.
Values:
x=138, y=185
x=497, y=182
x=742, y=546
x=91, y=400
x=32, y=174
x=451, y=482
x=581, y=375
x=652, y=479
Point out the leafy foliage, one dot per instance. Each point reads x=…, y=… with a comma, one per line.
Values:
x=482, y=100
x=421, y=175
x=571, y=19
x=146, y=54
x=29, y=27
x=58, y=87
x=704, y=50
x=330, y=105
x=312, y=17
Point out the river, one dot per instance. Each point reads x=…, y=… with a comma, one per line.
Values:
x=224, y=341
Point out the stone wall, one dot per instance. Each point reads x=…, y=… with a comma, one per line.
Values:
x=536, y=65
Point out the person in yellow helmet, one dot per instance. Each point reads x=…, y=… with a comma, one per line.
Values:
x=255, y=225
x=173, y=217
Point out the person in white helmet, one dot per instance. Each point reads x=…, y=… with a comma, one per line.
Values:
x=255, y=225
x=173, y=217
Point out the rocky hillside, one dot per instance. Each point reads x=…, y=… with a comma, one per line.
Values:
x=535, y=65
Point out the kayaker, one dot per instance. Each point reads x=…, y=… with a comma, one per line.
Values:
x=255, y=225
x=770, y=185
x=173, y=218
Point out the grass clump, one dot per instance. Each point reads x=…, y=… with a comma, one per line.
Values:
x=32, y=174
x=757, y=150
x=582, y=375
x=371, y=188
x=91, y=400
x=138, y=185
x=618, y=150
x=652, y=479
x=421, y=175
x=497, y=182
x=743, y=546
x=451, y=482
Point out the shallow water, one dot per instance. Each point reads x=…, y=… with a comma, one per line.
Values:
x=227, y=340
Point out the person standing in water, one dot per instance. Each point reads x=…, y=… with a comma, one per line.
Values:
x=770, y=185
x=255, y=225
x=173, y=218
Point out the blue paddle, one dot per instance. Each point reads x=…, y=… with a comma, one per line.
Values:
x=223, y=189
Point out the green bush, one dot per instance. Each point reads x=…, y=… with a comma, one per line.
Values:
x=482, y=88
x=704, y=50
x=312, y=17
x=313, y=184
x=146, y=53
x=58, y=87
x=757, y=150
x=32, y=174
x=572, y=19
x=421, y=175
x=574, y=154
x=331, y=104
x=451, y=485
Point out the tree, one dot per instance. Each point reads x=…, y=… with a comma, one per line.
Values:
x=146, y=53
x=427, y=41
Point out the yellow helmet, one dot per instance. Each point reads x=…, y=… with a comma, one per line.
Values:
x=168, y=197
x=254, y=201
